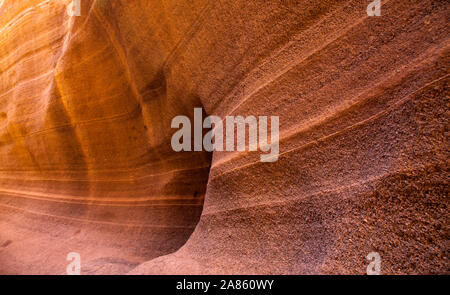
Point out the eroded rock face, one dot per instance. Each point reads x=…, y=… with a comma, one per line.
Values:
x=86, y=163
x=85, y=152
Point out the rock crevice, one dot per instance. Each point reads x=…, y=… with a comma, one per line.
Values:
x=86, y=164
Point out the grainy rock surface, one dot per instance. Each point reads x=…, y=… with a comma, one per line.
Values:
x=86, y=163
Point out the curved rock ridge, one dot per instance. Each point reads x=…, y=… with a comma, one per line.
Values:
x=86, y=163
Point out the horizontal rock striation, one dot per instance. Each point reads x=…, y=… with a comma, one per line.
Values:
x=86, y=165
x=86, y=161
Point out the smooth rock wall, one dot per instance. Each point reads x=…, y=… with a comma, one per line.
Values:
x=86, y=163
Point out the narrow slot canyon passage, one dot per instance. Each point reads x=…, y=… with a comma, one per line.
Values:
x=87, y=166
x=86, y=145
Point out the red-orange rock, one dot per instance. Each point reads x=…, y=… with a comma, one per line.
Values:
x=86, y=164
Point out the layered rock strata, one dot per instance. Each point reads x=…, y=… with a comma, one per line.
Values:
x=86, y=164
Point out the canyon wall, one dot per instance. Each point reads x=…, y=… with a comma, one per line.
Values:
x=86, y=164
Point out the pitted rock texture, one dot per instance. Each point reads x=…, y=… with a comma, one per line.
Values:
x=86, y=163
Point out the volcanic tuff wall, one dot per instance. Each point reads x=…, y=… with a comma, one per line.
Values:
x=85, y=158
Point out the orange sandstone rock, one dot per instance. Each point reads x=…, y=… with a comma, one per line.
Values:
x=86, y=164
